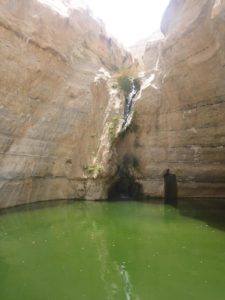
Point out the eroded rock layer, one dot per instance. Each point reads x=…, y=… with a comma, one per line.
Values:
x=56, y=103
x=179, y=116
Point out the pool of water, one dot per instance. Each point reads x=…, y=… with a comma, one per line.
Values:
x=110, y=250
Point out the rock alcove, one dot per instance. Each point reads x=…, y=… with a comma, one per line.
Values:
x=125, y=186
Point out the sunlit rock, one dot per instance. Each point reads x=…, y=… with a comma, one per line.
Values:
x=56, y=102
x=179, y=117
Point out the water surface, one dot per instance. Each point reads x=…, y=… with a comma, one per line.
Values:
x=118, y=250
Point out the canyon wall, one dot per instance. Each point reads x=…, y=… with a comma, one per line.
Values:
x=57, y=105
x=179, y=115
x=61, y=111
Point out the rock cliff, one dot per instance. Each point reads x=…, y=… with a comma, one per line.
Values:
x=57, y=105
x=61, y=112
x=179, y=115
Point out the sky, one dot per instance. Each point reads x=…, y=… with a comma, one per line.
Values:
x=129, y=21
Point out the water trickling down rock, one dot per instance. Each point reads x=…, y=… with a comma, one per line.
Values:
x=60, y=116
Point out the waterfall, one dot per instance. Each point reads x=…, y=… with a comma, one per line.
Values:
x=129, y=105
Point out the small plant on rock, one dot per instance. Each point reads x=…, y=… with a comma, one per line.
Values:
x=93, y=169
x=113, y=128
x=137, y=84
x=125, y=84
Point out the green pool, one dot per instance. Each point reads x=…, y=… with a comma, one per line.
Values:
x=111, y=250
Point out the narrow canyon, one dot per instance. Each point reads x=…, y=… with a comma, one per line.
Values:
x=80, y=115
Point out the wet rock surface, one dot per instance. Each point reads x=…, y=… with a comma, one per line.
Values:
x=179, y=116
x=62, y=119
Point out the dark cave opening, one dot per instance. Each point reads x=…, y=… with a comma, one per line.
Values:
x=170, y=188
x=126, y=185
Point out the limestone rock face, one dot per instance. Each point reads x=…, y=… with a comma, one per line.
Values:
x=56, y=103
x=151, y=44
x=179, y=116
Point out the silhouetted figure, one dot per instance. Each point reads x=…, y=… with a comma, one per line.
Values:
x=170, y=188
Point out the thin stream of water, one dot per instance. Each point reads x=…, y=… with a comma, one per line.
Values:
x=129, y=105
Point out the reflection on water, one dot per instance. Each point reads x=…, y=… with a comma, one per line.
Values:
x=120, y=250
x=126, y=282
x=212, y=212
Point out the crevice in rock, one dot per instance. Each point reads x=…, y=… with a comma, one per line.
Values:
x=125, y=185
